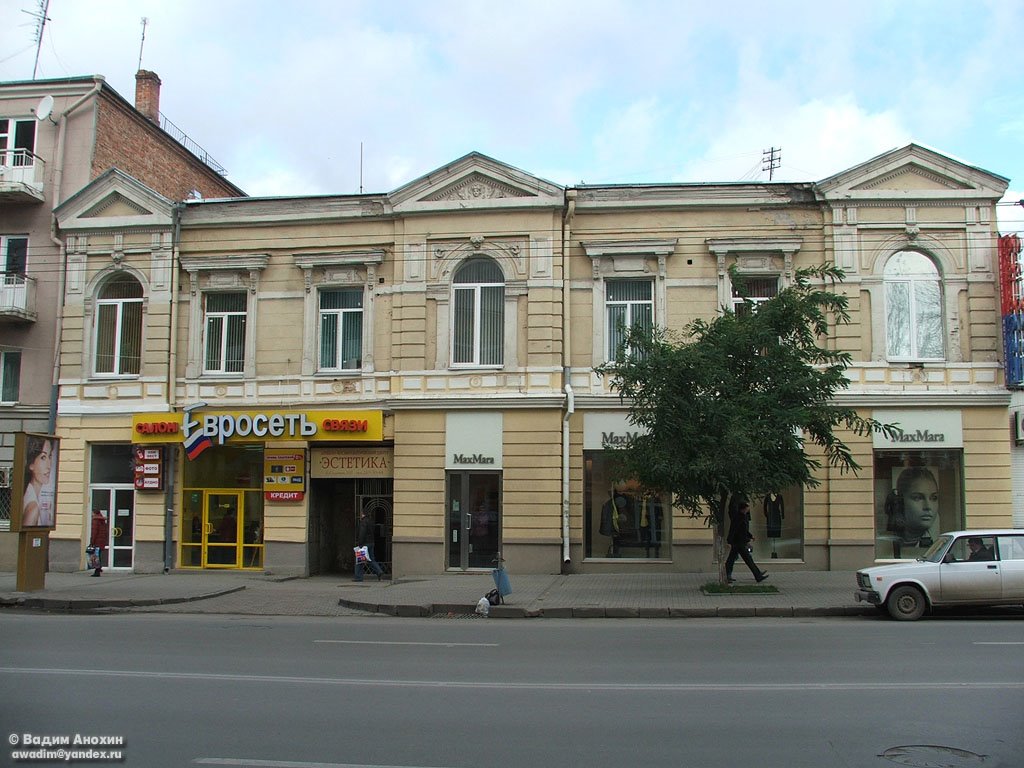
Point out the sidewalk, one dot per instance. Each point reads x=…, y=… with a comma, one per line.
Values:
x=804, y=593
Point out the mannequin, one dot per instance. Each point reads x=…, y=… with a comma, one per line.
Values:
x=774, y=512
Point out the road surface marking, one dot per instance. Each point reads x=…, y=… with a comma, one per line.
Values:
x=506, y=685
x=396, y=642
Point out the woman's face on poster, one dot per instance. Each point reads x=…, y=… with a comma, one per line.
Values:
x=920, y=505
x=42, y=464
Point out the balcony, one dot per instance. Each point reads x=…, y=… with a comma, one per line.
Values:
x=17, y=298
x=21, y=176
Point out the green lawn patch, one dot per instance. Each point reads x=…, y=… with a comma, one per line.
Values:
x=714, y=588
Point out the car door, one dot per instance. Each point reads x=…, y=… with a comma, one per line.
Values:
x=964, y=581
x=1011, y=563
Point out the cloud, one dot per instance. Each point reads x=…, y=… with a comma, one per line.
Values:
x=817, y=140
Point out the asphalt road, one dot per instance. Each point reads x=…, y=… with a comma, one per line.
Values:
x=286, y=692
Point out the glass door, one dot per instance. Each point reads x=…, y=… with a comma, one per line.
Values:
x=221, y=529
x=117, y=503
x=473, y=519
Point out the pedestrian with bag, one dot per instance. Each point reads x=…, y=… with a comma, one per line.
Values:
x=364, y=540
x=739, y=539
x=98, y=538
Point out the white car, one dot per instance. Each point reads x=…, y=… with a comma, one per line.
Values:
x=984, y=567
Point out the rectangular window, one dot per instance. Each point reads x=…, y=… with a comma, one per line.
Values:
x=225, y=332
x=628, y=304
x=620, y=521
x=17, y=142
x=759, y=290
x=14, y=249
x=119, y=337
x=918, y=495
x=479, y=329
x=341, y=329
x=10, y=375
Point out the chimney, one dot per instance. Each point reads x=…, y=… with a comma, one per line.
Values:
x=147, y=94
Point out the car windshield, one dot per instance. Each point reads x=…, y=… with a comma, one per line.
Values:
x=934, y=553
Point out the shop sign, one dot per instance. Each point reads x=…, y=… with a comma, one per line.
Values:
x=474, y=439
x=284, y=474
x=476, y=458
x=352, y=462
x=199, y=430
x=920, y=429
x=608, y=430
x=283, y=495
x=149, y=467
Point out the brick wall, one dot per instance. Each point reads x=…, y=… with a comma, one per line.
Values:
x=126, y=140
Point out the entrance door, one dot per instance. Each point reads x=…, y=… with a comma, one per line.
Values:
x=221, y=529
x=474, y=519
x=117, y=502
x=375, y=495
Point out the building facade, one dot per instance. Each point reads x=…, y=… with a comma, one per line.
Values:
x=428, y=355
x=55, y=137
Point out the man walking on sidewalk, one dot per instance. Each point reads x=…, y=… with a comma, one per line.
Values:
x=739, y=539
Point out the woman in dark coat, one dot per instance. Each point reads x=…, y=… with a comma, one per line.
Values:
x=739, y=539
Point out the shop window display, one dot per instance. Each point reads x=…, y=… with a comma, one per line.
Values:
x=918, y=495
x=621, y=521
x=777, y=524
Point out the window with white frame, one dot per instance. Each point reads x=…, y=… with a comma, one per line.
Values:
x=758, y=289
x=17, y=142
x=119, y=327
x=224, y=327
x=913, y=308
x=10, y=375
x=628, y=304
x=341, y=329
x=478, y=315
x=14, y=249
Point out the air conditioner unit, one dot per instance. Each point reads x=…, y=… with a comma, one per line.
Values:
x=6, y=476
x=1018, y=427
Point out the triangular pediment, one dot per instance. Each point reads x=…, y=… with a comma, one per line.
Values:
x=913, y=171
x=115, y=204
x=114, y=200
x=476, y=181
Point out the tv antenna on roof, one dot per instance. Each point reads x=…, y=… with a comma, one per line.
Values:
x=770, y=160
x=145, y=21
x=41, y=19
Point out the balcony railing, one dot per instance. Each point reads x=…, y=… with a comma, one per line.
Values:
x=21, y=176
x=17, y=297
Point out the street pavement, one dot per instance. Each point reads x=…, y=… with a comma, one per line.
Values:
x=675, y=595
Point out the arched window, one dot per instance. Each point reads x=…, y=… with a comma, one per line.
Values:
x=119, y=327
x=478, y=317
x=913, y=308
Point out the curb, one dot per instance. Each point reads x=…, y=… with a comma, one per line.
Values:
x=594, y=612
x=70, y=605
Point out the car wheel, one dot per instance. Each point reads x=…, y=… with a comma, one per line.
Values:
x=906, y=603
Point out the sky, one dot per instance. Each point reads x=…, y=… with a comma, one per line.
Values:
x=345, y=96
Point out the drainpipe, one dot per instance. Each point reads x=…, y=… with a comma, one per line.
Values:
x=58, y=175
x=570, y=400
x=172, y=363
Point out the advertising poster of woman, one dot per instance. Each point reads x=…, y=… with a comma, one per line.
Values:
x=912, y=510
x=34, y=501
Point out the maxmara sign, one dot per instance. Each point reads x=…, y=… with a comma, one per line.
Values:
x=921, y=429
x=220, y=427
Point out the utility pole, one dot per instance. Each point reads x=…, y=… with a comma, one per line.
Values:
x=770, y=160
x=41, y=19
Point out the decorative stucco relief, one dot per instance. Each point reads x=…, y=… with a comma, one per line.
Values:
x=509, y=254
x=476, y=186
